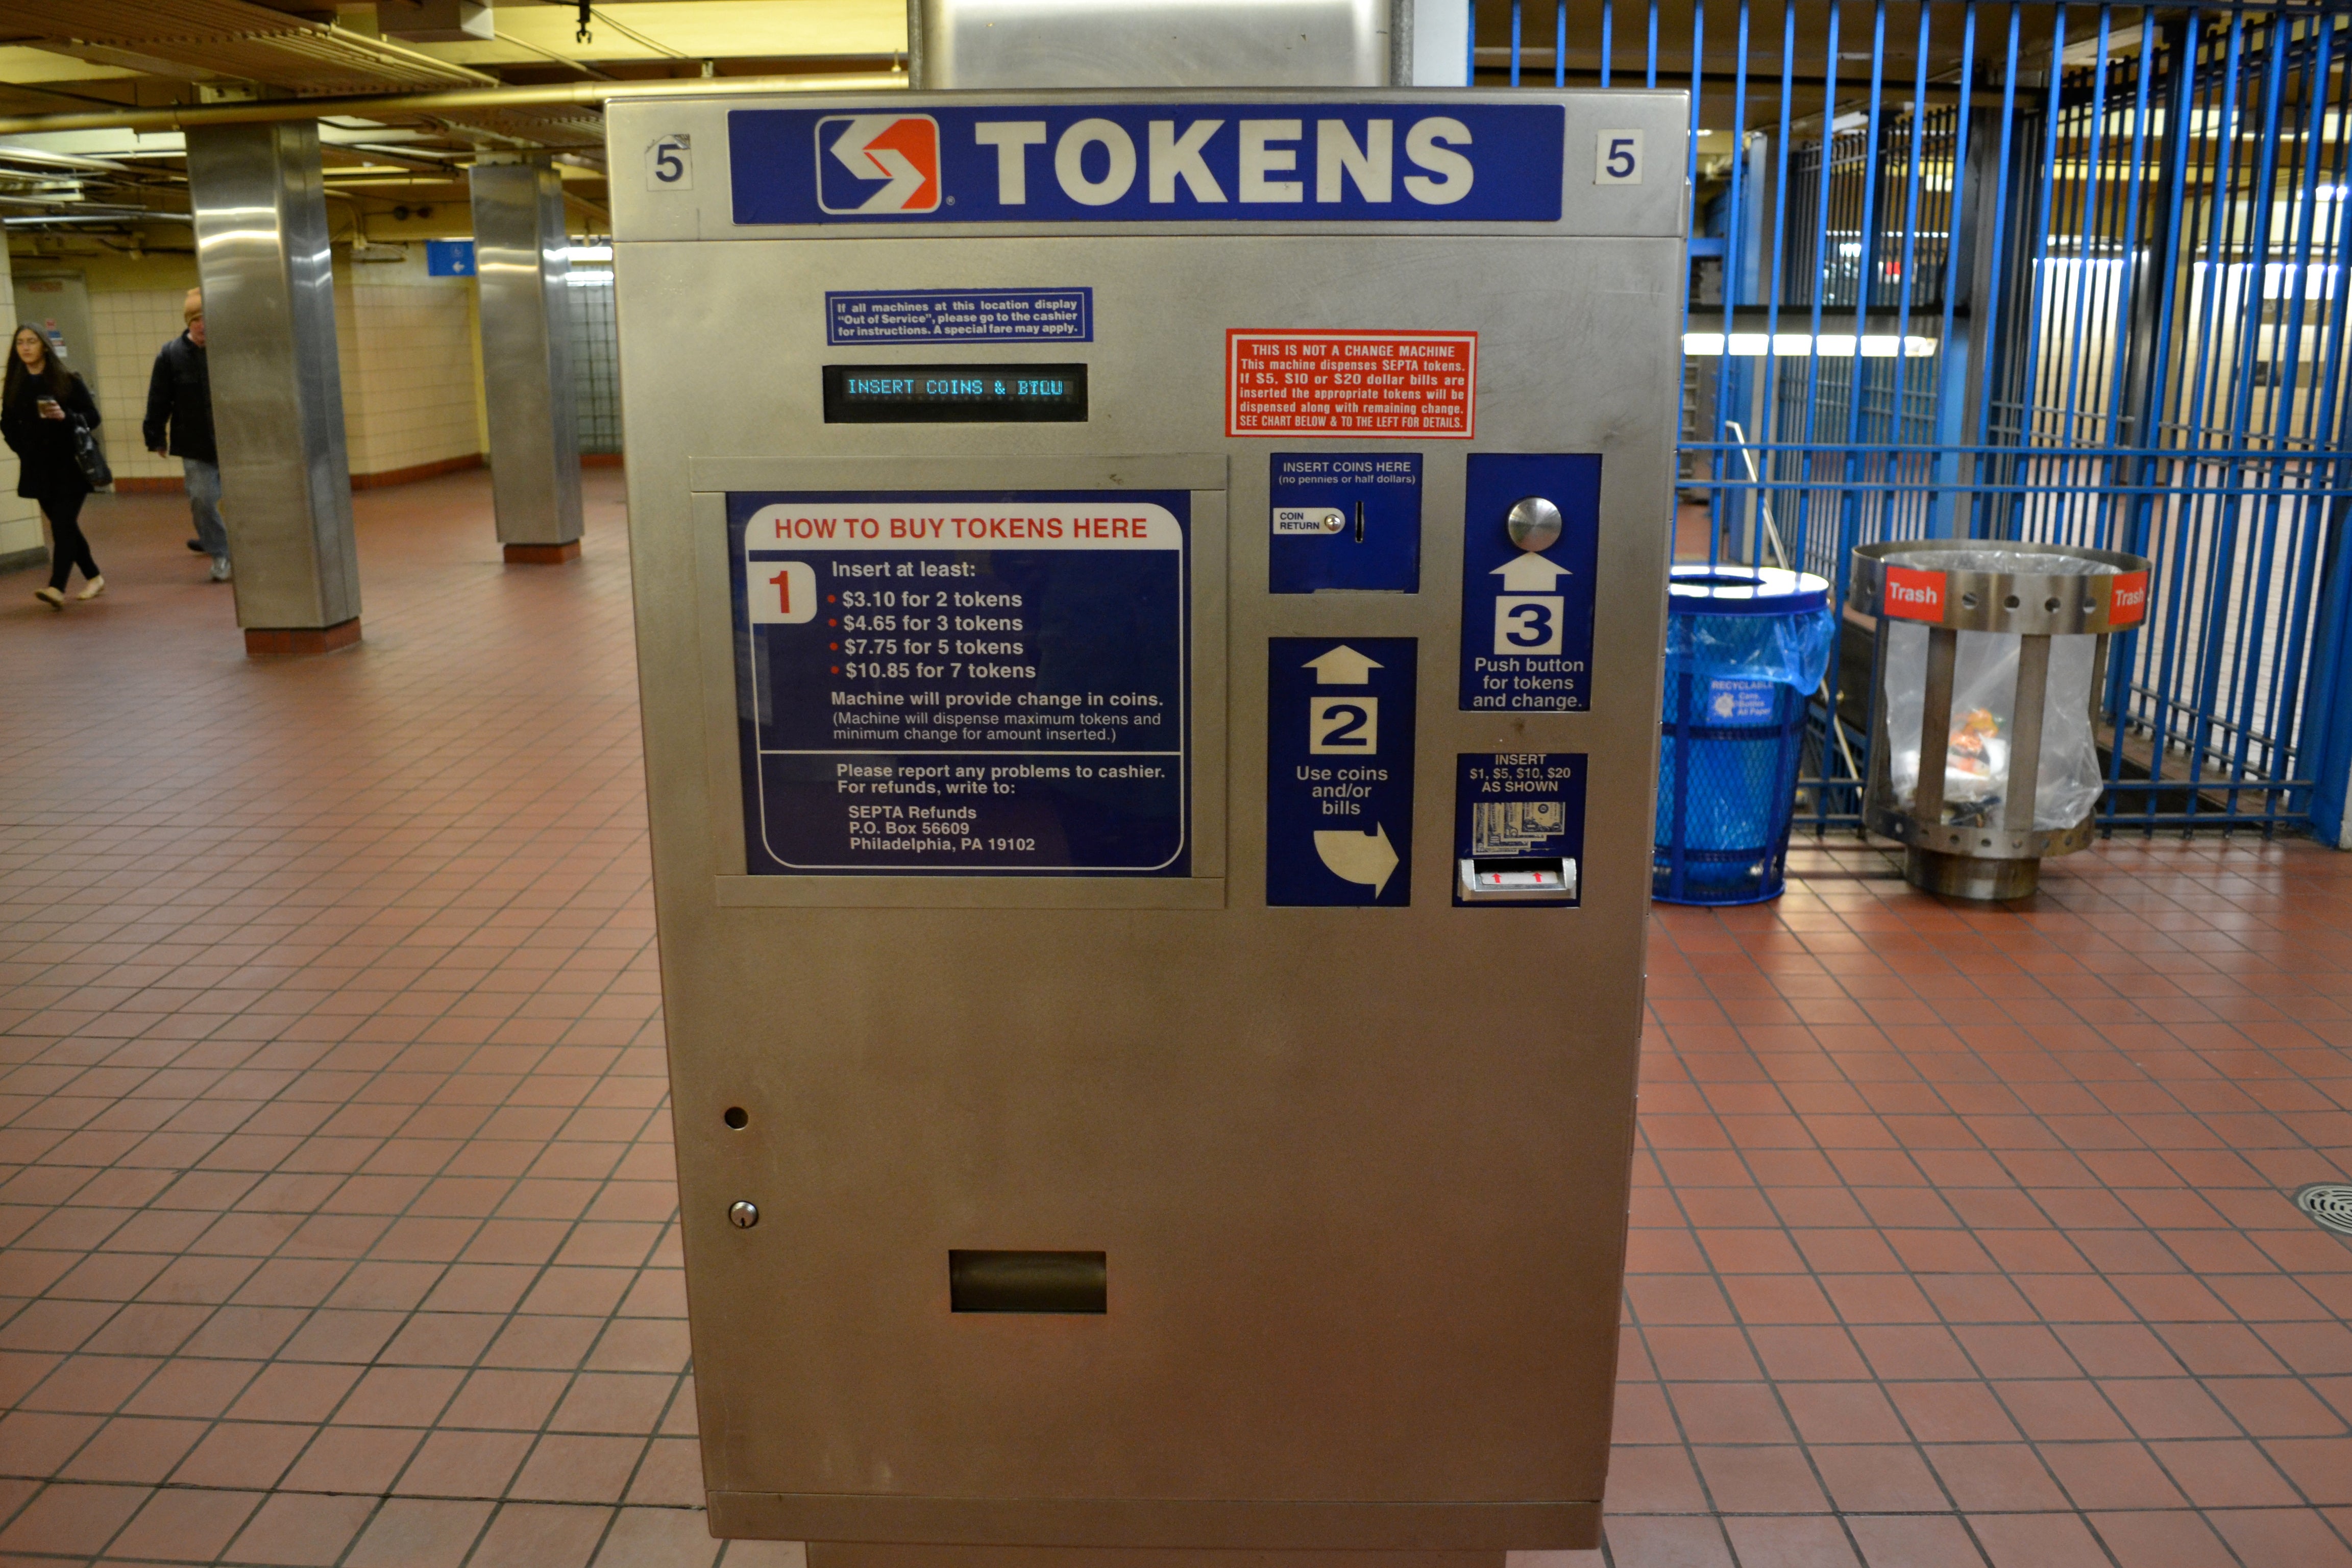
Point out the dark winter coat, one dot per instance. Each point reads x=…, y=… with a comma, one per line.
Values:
x=180, y=395
x=46, y=446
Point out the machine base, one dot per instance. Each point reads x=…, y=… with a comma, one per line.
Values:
x=1148, y=1532
x=542, y=554
x=1966, y=877
x=843, y=1554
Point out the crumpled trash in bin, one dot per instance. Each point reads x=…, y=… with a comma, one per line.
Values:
x=1984, y=697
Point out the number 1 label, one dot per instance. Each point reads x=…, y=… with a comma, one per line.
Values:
x=1618, y=158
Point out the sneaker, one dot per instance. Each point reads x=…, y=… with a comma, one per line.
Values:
x=197, y=546
x=220, y=568
x=92, y=589
x=51, y=597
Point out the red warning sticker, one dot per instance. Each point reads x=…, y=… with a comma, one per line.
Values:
x=1352, y=383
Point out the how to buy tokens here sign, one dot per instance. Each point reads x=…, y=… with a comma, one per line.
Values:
x=1351, y=383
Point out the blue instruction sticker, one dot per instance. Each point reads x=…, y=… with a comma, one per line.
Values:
x=960, y=684
x=1518, y=828
x=1338, y=771
x=1526, y=616
x=1344, y=519
x=959, y=316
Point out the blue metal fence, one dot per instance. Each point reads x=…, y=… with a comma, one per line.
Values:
x=2066, y=273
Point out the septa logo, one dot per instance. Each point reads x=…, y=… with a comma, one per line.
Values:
x=877, y=164
x=2127, y=599
x=1914, y=595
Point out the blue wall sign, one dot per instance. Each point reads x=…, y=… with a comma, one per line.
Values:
x=976, y=684
x=1516, y=808
x=1345, y=519
x=1338, y=771
x=959, y=316
x=1153, y=163
x=1527, y=616
x=449, y=258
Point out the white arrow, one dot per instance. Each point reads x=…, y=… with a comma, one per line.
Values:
x=1530, y=574
x=1342, y=666
x=1366, y=858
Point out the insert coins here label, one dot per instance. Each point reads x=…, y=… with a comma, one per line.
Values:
x=1521, y=805
x=1338, y=771
x=1309, y=383
x=960, y=684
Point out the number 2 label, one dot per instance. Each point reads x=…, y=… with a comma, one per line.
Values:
x=1618, y=158
x=669, y=162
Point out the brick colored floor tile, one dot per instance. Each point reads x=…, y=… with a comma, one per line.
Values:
x=358, y=1147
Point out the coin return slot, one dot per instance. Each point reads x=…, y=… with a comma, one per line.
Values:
x=1500, y=881
x=1027, y=1281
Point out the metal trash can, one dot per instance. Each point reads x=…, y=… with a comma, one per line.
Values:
x=1745, y=650
x=1991, y=655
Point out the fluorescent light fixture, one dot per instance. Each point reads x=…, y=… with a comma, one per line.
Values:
x=1802, y=346
x=588, y=253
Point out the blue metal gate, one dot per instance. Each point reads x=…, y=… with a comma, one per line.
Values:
x=2072, y=274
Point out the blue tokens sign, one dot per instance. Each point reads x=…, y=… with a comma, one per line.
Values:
x=963, y=684
x=1467, y=161
x=1345, y=519
x=1518, y=827
x=1338, y=771
x=1526, y=616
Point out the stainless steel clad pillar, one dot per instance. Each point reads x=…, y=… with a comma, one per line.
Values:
x=520, y=265
x=262, y=252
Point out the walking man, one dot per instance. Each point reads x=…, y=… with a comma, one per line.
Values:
x=180, y=398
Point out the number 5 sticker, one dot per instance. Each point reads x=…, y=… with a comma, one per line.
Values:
x=669, y=162
x=1618, y=159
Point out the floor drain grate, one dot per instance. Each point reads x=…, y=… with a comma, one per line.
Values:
x=2329, y=1202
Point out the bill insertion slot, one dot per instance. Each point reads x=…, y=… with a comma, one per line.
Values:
x=1027, y=1281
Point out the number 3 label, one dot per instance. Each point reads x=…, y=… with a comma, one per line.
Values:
x=669, y=164
x=1618, y=159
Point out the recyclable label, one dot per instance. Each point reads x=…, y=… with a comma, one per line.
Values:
x=1742, y=702
x=1364, y=383
x=1527, y=615
x=960, y=684
x=1339, y=765
x=1520, y=815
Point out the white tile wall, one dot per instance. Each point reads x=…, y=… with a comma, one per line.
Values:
x=20, y=520
x=410, y=388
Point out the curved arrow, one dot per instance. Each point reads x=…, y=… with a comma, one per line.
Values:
x=1366, y=858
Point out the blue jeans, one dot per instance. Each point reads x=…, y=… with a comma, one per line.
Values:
x=204, y=500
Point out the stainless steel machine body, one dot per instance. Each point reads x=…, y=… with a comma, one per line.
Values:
x=1226, y=1149
x=263, y=252
x=520, y=266
x=1970, y=859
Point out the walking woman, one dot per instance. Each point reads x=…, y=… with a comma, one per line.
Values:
x=34, y=400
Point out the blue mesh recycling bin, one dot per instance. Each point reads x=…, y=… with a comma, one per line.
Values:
x=1746, y=647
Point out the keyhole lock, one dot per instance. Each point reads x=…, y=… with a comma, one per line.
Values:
x=1534, y=523
x=741, y=1215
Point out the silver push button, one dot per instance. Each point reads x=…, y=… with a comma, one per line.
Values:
x=1534, y=523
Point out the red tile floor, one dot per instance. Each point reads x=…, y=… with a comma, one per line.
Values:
x=335, y=1182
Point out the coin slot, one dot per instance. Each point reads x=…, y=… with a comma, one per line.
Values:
x=737, y=1117
x=1066, y=1282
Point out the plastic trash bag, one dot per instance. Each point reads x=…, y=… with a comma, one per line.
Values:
x=1793, y=649
x=1984, y=698
x=2007, y=562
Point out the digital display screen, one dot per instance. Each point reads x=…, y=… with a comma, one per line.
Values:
x=954, y=394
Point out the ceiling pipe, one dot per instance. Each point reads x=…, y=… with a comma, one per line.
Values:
x=378, y=106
